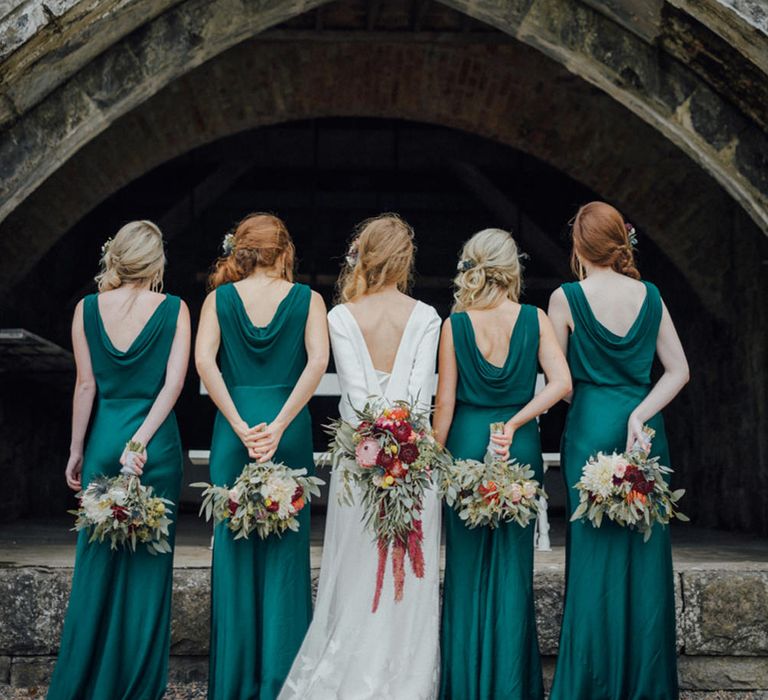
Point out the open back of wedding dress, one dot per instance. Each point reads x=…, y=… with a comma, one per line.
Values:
x=349, y=652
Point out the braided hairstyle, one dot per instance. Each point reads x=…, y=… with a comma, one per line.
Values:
x=600, y=236
x=136, y=255
x=259, y=240
x=489, y=270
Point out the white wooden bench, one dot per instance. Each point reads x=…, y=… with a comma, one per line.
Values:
x=329, y=386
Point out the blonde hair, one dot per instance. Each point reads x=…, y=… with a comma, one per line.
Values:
x=260, y=240
x=489, y=271
x=381, y=254
x=136, y=255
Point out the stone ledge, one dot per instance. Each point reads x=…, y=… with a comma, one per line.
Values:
x=722, y=622
x=704, y=674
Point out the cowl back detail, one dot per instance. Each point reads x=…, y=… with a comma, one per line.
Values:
x=481, y=383
x=247, y=352
x=139, y=371
x=598, y=356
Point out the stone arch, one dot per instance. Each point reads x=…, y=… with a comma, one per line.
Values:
x=68, y=77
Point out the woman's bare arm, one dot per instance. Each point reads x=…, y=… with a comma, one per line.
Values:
x=206, y=348
x=675, y=377
x=82, y=400
x=447, y=380
x=558, y=384
x=175, y=374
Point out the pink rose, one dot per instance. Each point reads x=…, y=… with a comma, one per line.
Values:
x=516, y=493
x=620, y=469
x=366, y=453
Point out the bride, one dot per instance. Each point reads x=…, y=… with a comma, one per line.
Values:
x=384, y=344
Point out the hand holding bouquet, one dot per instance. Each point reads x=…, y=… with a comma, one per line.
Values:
x=628, y=488
x=390, y=457
x=491, y=492
x=124, y=512
x=265, y=498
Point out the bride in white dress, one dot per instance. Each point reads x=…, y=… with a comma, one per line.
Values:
x=384, y=344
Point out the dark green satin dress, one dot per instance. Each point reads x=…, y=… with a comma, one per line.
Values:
x=117, y=629
x=618, y=635
x=261, y=589
x=489, y=646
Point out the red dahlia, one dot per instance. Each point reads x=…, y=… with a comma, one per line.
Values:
x=402, y=431
x=232, y=506
x=409, y=453
x=298, y=493
x=384, y=459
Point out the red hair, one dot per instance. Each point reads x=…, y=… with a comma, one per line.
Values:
x=600, y=236
x=260, y=240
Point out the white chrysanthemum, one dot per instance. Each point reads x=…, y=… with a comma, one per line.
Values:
x=118, y=495
x=279, y=489
x=98, y=510
x=598, y=475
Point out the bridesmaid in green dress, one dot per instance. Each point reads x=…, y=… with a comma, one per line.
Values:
x=618, y=633
x=489, y=353
x=131, y=347
x=271, y=339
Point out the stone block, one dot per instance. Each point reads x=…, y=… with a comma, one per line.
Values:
x=548, y=594
x=188, y=669
x=725, y=613
x=31, y=671
x=32, y=605
x=5, y=670
x=723, y=673
x=191, y=612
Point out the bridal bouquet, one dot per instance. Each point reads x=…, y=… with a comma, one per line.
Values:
x=123, y=511
x=491, y=492
x=390, y=457
x=628, y=488
x=265, y=498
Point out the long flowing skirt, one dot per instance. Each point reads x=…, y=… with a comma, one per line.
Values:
x=261, y=595
x=618, y=634
x=116, y=636
x=351, y=653
x=488, y=637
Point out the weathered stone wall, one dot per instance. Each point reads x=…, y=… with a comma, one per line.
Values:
x=649, y=62
x=722, y=623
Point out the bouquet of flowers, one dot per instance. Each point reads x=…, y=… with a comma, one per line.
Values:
x=390, y=456
x=628, y=488
x=120, y=509
x=491, y=492
x=265, y=498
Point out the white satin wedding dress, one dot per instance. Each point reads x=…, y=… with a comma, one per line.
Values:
x=349, y=652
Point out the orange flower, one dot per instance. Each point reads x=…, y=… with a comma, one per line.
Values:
x=298, y=504
x=636, y=496
x=398, y=413
x=488, y=492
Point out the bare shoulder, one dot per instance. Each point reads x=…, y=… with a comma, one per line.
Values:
x=557, y=297
x=316, y=301
x=557, y=300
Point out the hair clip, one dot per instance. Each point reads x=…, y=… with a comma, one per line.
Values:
x=353, y=255
x=465, y=265
x=228, y=244
x=631, y=235
x=105, y=246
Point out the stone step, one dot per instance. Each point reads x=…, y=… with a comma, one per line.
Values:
x=722, y=622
